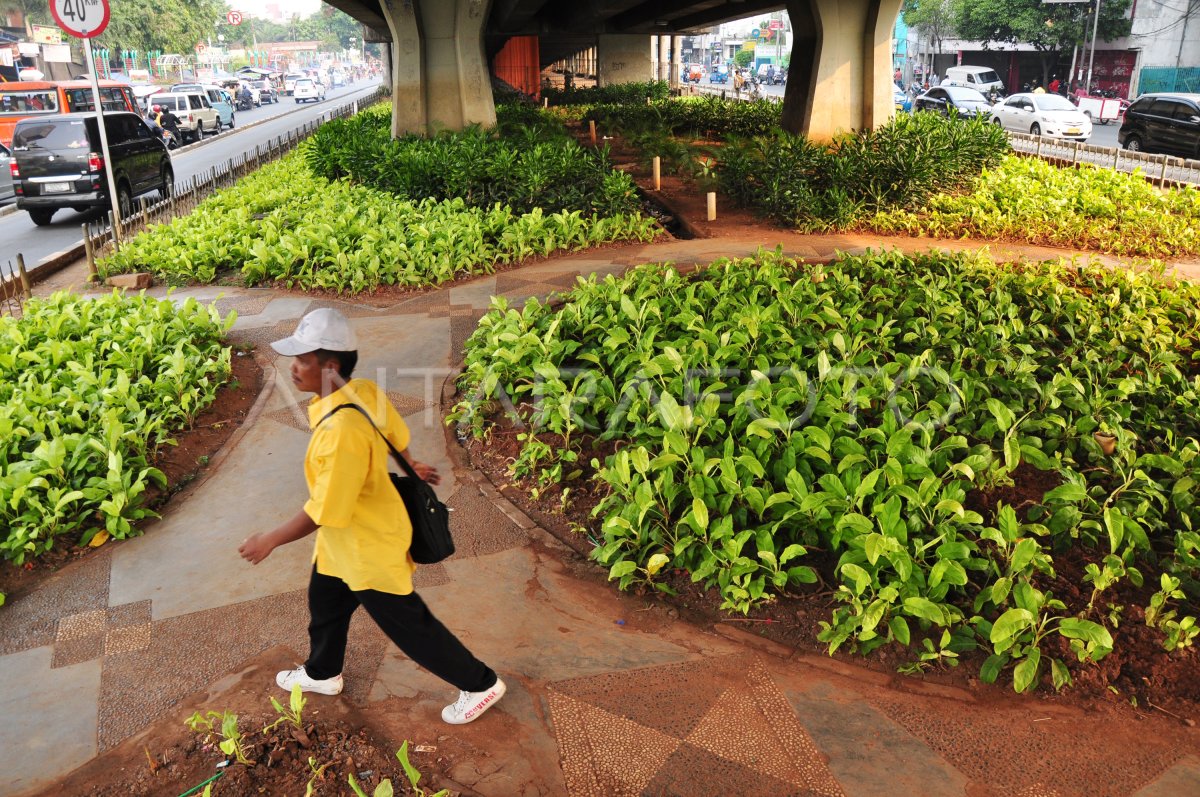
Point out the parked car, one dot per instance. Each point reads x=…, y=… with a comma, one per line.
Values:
x=1166, y=123
x=1050, y=115
x=953, y=99
x=901, y=98
x=196, y=116
x=289, y=82
x=308, y=89
x=6, y=180
x=266, y=92
x=57, y=163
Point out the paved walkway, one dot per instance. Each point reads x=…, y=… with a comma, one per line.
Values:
x=648, y=705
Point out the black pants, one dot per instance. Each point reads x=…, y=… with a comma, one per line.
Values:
x=405, y=619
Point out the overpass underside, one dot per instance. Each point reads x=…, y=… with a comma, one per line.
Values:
x=839, y=79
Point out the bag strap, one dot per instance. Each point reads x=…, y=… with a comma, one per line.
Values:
x=408, y=470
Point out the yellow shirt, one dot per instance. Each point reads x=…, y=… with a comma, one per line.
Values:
x=364, y=532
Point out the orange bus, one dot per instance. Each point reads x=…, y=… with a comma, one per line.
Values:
x=22, y=99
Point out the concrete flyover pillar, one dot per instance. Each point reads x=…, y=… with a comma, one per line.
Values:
x=840, y=76
x=623, y=58
x=676, y=61
x=440, y=78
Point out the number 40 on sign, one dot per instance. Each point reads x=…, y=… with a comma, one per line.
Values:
x=81, y=18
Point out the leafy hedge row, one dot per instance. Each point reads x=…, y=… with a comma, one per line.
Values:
x=696, y=117
x=901, y=164
x=89, y=390
x=284, y=224
x=1028, y=199
x=766, y=409
x=621, y=94
x=476, y=165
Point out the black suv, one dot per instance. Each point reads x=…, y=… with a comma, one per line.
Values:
x=1167, y=123
x=57, y=163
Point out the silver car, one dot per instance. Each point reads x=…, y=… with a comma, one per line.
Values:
x=6, y=183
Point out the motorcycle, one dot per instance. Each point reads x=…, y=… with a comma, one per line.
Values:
x=244, y=102
x=170, y=139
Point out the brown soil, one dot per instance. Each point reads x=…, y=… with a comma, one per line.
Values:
x=168, y=758
x=182, y=464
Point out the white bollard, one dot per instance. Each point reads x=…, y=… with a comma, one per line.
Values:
x=712, y=205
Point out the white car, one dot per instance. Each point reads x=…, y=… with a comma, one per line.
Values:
x=289, y=81
x=1042, y=115
x=308, y=89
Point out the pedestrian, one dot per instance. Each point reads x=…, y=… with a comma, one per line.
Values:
x=897, y=76
x=363, y=530
x=1054, y=84
x=934, y=80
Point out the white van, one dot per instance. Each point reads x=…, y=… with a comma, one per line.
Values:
x=980, y=78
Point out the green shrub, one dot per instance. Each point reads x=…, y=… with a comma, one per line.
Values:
x=900, y=164
x=695, y=117
x=521, y=169
x=89, y=390
x=1028, y=199
x=620, y=94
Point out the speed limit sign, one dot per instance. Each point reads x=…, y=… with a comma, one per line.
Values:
x=234, y=17
x=83, y=19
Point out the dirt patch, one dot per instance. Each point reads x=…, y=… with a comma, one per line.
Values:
x=168, y=758
x=181, y=463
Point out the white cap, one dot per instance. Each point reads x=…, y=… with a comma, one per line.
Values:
x=323, y=328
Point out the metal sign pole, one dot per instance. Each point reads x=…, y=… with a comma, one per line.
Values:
x=108, y=172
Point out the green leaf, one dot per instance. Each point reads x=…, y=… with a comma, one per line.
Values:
x=1003, y=415
x=925, y=609
x=992, y=667
x=621, y=569
x=1010, y=624
x=899, y=628
x=1067, y=491
x=1026, y=672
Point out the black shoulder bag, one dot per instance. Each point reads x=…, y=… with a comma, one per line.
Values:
x=431, y=541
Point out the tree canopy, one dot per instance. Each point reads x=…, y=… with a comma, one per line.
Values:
x=1047, y=27
x=936, y=18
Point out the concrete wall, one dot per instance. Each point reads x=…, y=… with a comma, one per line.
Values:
x=623, y=59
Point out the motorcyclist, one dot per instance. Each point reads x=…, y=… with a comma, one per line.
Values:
x=167, y=120
x=245, y=98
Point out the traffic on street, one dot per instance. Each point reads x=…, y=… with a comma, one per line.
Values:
x=254, y=127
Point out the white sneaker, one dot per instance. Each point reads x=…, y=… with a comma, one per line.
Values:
x=288, y=678
x=470, y=705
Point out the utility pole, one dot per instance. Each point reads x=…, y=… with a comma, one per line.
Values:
x=1092, y=58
